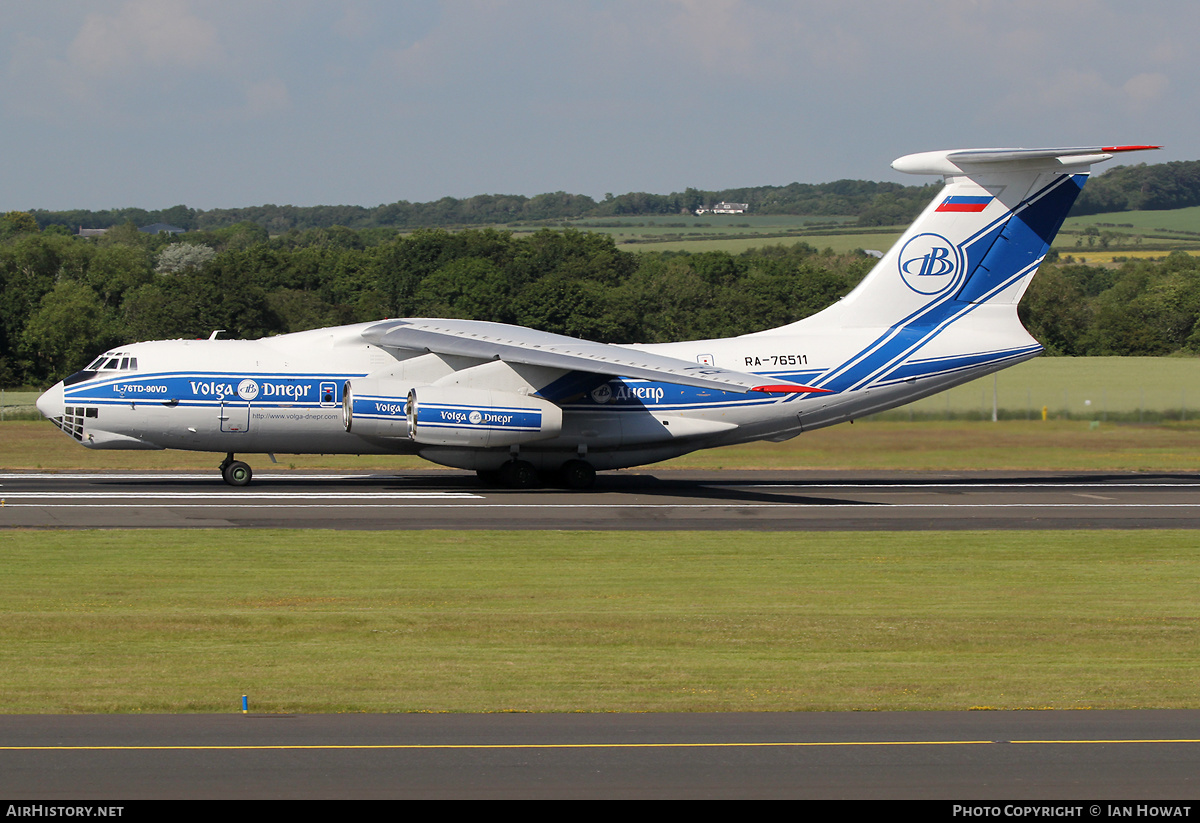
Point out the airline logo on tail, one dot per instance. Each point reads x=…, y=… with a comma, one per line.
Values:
x=929, y=263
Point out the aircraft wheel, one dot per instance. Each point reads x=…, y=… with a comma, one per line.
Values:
x=578, y=474
x=237, y=473
x=519, y=474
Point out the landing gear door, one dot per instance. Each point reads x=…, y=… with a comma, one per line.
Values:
x=235, y=416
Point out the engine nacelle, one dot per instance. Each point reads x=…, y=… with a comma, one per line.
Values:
x=376, y=407
x=479, y=418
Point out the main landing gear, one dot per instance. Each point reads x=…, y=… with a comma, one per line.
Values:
x=235, y=472
x=577, y=474
x=521, y=474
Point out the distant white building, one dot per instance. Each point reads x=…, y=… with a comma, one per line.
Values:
x=725, y=208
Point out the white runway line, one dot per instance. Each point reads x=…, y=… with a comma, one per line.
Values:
x=252, y=498
x=1183, y=486
x=348, y=497
x=167, y=475
x=351, y=503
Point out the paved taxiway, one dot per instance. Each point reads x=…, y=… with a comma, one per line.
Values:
x=995, y=756
x=715, y=500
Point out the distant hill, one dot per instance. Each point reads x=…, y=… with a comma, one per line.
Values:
x=1124, y=188
x=872, y=203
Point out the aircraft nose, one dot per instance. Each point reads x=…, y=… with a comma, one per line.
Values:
x=52, y=404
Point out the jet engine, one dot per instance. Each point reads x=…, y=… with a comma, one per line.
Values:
x=479, y=418
x=375, y=407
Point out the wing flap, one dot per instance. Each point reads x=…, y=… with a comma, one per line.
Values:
x=498, y=341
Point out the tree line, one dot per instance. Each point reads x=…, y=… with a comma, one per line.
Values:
x=1122, y=188
x=1141, y=307
x=1143, y=187
x=65, y=299
x=873, y=204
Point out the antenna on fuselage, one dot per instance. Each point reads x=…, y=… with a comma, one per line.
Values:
x=213, y=336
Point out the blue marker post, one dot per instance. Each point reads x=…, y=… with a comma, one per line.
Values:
x=245, y=705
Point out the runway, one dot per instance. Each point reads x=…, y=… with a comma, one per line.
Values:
x=985, y=756
x=957, y=756
x=644, y=499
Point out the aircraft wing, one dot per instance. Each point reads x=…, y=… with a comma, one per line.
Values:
x=516, y=344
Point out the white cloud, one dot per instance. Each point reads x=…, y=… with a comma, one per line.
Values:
x=145, y=34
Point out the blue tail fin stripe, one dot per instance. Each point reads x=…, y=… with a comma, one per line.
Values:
x=909, y=334
x=912, y=338
x=1024, y=238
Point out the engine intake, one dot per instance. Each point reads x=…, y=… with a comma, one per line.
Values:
x=375, y=408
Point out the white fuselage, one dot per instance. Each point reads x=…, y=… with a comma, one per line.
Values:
x=285, y=394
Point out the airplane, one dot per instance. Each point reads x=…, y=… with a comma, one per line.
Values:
x=521, y=407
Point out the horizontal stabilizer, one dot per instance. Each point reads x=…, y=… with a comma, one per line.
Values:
x=957, y=161
x=514, y=344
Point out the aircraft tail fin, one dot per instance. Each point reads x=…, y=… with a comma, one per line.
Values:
x=981, y=239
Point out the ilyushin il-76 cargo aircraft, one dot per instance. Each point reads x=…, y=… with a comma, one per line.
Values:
x=521, y=406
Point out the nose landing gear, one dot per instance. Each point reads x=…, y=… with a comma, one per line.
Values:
x=235, y=472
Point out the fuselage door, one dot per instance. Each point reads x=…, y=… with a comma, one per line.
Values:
x=235, y=408
x=235, y=416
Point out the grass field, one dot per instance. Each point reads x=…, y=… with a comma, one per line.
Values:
x=577, y=621
x=654, y=227
x=738, y=233
x=840, y=243
x=1084, y=388
x=967, y=446
x=1114, y=257
x=1186, y=221
x=846, y=242
x=1161, y=231
x=734, y=233
x=1016, y=445
x=16, y=405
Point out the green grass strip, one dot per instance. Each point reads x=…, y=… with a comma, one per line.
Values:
x=321, y=621
x=1016, y=445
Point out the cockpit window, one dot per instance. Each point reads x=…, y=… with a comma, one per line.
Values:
x=109, y=361
x=113, y=361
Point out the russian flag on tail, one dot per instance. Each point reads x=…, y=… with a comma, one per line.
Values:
x=965, y=203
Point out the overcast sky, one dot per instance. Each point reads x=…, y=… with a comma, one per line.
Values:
x=223, y=103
